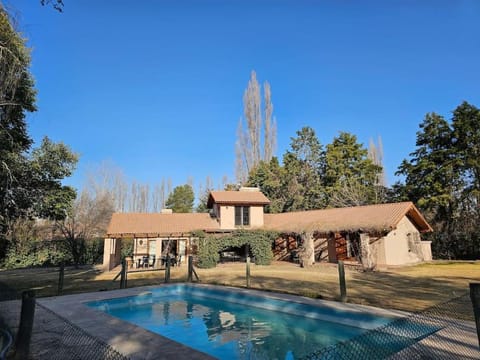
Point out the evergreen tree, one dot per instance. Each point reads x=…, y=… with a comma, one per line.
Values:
x=181, y=199
x=348, y=170
x=270, y=177
x=442, y=177
x=304, y=164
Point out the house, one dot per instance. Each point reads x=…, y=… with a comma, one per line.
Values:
x=383, y=234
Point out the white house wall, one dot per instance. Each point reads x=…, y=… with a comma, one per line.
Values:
x=397, y=247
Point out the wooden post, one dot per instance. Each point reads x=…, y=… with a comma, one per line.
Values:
x=24, y=335
x=190, y=268
x=248, y=271
x=167, y=269
x=61, y=276
x=475, y=297
x=123, y=275
x=341, y=278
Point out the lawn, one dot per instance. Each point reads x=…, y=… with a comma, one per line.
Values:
x=411, y=288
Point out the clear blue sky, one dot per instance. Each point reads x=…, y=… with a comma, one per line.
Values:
x=156, y=87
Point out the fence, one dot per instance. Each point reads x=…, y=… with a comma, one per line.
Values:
x=53, y=336
x=444, y=331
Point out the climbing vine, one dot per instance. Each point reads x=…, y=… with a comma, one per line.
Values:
x=259, y=241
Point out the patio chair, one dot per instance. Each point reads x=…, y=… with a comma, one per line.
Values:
x=151, y=261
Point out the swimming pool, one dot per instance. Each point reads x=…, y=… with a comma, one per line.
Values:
x=231, y=323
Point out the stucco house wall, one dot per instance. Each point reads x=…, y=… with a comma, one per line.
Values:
x=111, y=253
x=400, y=246
x=256, y=216
x=227, y=218
x=377, y=245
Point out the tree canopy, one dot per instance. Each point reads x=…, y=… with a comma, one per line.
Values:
x=442, y=176
x=181, y=199
x=30, y=179
x=314, y=178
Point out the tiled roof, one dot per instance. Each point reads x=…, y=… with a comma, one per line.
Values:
x=237, y=197
x=379, y=218
x=370, y=218
x=139, y=224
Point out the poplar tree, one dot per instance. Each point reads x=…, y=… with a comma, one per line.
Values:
x=250, y=148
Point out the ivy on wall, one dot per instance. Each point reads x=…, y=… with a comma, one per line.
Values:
x=259, y=241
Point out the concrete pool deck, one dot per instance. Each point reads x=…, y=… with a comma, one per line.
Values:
x=137, y=343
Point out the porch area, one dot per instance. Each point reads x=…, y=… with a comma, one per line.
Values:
x=146, y=253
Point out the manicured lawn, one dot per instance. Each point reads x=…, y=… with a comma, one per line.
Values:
x=410, y=288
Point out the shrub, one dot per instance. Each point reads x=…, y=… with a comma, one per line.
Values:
x=34, y=253
x=126, y=247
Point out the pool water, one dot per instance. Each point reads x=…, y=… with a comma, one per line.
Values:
x=235, y=325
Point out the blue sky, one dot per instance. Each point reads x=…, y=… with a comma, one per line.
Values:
x=155, y=87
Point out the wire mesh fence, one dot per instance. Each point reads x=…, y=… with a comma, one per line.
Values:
x=53, y=336
x=444, y=331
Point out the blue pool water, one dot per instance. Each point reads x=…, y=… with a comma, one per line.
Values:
x=235, y=325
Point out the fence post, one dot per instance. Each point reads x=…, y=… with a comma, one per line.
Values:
x=475, y=297
x=24, y=335
x=61, y=276
x=341, y=278
x=248, y=271
x=167, y=269
x=190, y=268
x=123, y=275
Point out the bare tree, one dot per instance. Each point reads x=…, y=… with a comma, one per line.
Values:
x=144, y=197
x=108, y=178
x=351, y=193
x=248, y=147
x=375, y=154
x=87, y=219
x=270, y=127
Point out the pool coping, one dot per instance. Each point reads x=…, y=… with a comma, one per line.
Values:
x=138, y=343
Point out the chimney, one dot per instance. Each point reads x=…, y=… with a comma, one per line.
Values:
x=247, y=188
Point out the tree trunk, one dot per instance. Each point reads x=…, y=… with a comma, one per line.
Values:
x=307, y=253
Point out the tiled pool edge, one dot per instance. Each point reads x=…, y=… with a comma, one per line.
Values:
x=138, y=343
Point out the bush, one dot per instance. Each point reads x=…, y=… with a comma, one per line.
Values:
x=93, y=251
x=34, y=253
x=126, y=248
x=260, y=244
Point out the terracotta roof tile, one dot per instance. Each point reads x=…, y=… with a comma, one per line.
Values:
x=123, y=224
x=237, y=197
x=379, y=217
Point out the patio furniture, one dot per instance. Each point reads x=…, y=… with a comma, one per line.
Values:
x=151, y=261
x=142, y=262
x=172, y=259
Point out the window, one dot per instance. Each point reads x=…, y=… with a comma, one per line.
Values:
x=242, y=215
